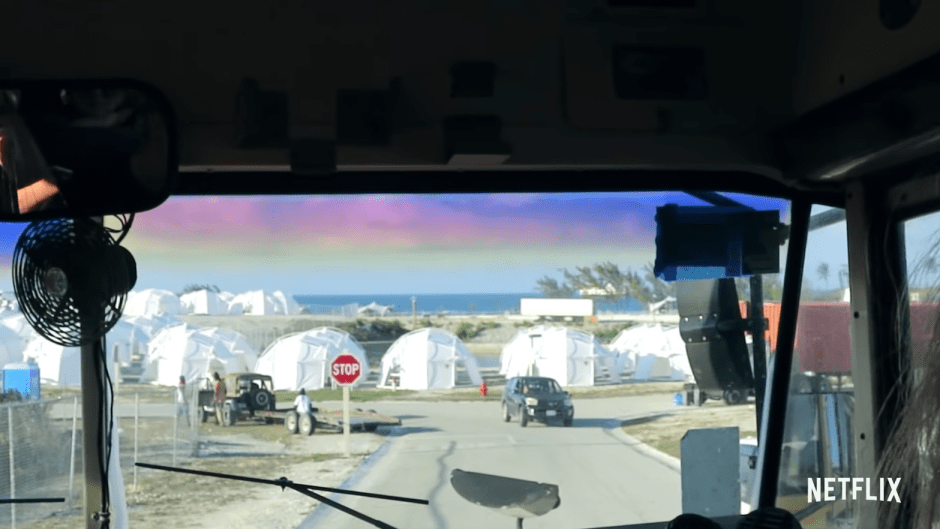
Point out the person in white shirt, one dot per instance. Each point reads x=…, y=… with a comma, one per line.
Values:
x=302, y=402
x=182, y=403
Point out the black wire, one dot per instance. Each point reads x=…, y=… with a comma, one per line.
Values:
x=125, y=227
x=110, y=415
x=104, y=463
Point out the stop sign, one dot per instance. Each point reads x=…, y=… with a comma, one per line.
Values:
x=345, y=369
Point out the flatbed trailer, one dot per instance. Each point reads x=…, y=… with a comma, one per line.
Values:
x=328, y=419
x=252, y=397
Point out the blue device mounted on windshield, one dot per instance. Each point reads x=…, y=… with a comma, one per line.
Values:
x=714, y=242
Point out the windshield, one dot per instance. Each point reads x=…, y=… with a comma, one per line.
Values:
x=427, y=304
x=540, y=385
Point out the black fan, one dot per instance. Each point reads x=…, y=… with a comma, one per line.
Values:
x=71, y=279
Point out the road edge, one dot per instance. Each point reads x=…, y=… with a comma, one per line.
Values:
x=614, y=428
x=319, y=513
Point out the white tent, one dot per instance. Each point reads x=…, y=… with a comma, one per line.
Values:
x=185, y=350
x=11, y=346
x=124, y=341
x=652, y=351
x=152, y=301
x=18, y=324
x=8, y=303
x=285, y=303
x=230, y=308
x=375, y=309
x=261, y=303
x=203, y=302
x=573, y=358
x=61, y=366
x=427, y=359
x=151, y=325
x=237, y=344
x=302, y=360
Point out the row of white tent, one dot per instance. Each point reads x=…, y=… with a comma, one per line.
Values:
x=423, y=359
x=577, y=358
x=254, y=303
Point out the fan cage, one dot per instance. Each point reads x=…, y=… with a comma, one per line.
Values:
x=75, y=318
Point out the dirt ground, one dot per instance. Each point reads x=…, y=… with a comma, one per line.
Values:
x=166, y=499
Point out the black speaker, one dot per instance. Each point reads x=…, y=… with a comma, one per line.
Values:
x=711, y=326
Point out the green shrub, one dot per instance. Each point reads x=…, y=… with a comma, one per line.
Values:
x=606, y=335
x=466, y=331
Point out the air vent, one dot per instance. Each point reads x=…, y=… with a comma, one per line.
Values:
x=658, y=73
x=654, y=4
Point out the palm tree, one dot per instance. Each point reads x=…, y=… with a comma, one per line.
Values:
x=823, y=272
x=843, y=276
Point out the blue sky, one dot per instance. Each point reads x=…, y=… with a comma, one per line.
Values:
x=394, y=244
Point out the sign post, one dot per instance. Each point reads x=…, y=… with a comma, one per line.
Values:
x=345, y=370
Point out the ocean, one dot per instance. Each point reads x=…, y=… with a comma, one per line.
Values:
x=430, y=304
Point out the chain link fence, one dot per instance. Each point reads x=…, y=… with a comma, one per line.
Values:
x=40, y=457
x=41, y=446
x=155, y=427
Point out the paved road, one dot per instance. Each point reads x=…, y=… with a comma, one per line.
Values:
x=602, y=480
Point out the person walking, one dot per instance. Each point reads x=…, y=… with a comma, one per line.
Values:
x=182, y=403
x=218, y=398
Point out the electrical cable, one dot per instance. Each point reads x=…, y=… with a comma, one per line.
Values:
x=126, y=220
x=110, y=417
x=106, y=410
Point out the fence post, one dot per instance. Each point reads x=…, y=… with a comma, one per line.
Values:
x=136, y=427
x=195, y=417
x=72, y=453
x=176, y=423
x=12, y=470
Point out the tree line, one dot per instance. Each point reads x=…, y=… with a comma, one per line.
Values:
x=606, y=281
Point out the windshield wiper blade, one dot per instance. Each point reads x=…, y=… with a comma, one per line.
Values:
x=4, y=501
x=304, y=489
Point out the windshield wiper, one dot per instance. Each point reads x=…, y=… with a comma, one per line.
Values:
x=5, y=501
x=304, y=489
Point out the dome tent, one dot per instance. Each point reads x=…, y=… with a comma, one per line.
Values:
x=261, y=303
x=427, y=359
x=652, y=352
x=11, y=346
x=58, y=366
x=302, y=360
x=61, y=366
x=203, y=302
x=151, y=325
x=237, y=344
x=188, y=351
x=573, y=358
x=152, y=301
x=18, y=324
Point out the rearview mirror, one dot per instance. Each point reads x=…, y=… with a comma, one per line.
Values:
x=84, y=148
